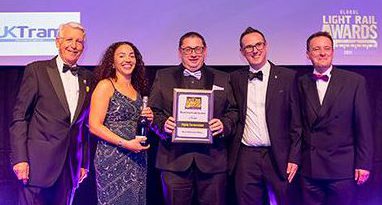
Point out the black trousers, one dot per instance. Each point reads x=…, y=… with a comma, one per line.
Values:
x=328, y=191
x=60, y=193
x=181, y=188
x=256, y=178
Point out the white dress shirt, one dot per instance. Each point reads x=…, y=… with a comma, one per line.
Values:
x=322, y=86
x=71, y=87
x=256, y=129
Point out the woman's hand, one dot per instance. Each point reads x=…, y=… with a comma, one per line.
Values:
x=134, y=145
x=148, y=113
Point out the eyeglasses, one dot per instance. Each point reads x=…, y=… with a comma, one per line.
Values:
x=317, y=50
x=250, y=48
x=189, y=50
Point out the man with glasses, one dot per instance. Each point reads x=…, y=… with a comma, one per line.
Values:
x=337, y=133
x=191, y=171
x=47, y=133
x=265, y=153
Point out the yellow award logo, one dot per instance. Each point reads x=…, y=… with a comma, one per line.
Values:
x=193, y=103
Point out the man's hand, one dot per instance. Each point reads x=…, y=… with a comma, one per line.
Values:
x=291, y=171
x=361, y=176
x=21, y=170
x=83, y=174
x=169, y=125
x=216, y=126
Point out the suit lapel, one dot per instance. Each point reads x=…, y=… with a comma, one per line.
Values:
x=178, y=77
x=55, y=79
x=331, y=94
x=273, y=83
x=311, y=93
x=208, y=78
x=242, y=83
x=83, y=83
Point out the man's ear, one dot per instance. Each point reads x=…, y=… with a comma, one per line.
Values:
x=57, y=41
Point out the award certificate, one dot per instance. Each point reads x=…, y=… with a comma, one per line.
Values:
x=192, y=110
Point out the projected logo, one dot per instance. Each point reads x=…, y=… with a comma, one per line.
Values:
x=351, y=30
x=31, y=33
x=26, y=34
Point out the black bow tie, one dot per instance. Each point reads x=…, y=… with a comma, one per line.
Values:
x=258, y=75
x=320, y=77
x=73, y=70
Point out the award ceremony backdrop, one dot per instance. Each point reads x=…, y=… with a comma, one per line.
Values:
x=28, y=29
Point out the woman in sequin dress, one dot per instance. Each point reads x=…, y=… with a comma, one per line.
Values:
x=120, y=161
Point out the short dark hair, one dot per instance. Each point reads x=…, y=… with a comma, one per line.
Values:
x=248, y=31
x=318, y=34
x=191, y=34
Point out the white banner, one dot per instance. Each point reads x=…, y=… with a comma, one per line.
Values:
x=31, y=33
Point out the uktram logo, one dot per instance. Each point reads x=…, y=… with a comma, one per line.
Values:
x=23, y=33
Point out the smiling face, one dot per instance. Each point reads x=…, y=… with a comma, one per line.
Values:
x=70, y=44
x=192, y=53
x=124, y=60
x=320, y=53
x=254, y=49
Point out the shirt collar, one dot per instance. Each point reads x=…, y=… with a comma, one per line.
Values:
x=201, y=68
x=60, y=63
x=265, y=69
x=327, y=72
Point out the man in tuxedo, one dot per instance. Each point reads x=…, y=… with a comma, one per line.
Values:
x=337, y=138
x=190, y=170
x=48, y=131
x=264, y=155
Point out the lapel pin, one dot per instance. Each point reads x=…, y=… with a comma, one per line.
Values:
x=87, y=88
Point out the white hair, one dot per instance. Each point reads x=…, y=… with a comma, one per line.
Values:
x=71, y=24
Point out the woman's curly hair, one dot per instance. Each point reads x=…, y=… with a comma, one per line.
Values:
x=106, y=69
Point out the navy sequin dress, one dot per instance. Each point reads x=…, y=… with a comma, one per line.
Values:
x=121, y=174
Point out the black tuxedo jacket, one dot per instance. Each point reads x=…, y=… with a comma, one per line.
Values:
x=41, y=132
x=209, y=158
x=337, y=136
x=282, y=116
